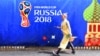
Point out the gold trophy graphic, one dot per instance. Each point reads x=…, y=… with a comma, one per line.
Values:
x=25, y=8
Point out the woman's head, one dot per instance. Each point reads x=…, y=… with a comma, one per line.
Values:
x=64, y=16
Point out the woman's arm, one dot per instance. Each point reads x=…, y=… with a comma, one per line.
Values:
x=58, y=27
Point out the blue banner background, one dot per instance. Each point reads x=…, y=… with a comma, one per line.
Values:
x=11, y=33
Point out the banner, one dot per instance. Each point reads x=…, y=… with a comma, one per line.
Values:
x=32, y=22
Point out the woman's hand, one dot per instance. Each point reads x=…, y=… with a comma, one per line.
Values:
x=58, y=27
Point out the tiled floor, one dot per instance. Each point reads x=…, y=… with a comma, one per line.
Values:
x=49, y=53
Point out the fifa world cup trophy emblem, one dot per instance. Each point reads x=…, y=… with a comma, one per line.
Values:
x=25, y=8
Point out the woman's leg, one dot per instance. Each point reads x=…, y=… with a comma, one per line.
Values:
x=56, y=53
x=72, y=47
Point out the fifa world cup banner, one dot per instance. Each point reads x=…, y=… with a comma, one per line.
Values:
x=33, y=22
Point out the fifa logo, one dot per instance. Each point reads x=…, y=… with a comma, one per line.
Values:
x=25, y=8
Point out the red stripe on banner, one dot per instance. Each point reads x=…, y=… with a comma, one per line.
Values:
x=98, y=28
x=94, y=28
x=90, y=28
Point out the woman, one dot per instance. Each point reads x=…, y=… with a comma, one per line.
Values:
x=66, y=30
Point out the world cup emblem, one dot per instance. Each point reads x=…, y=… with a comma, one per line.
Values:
x=25, y=8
